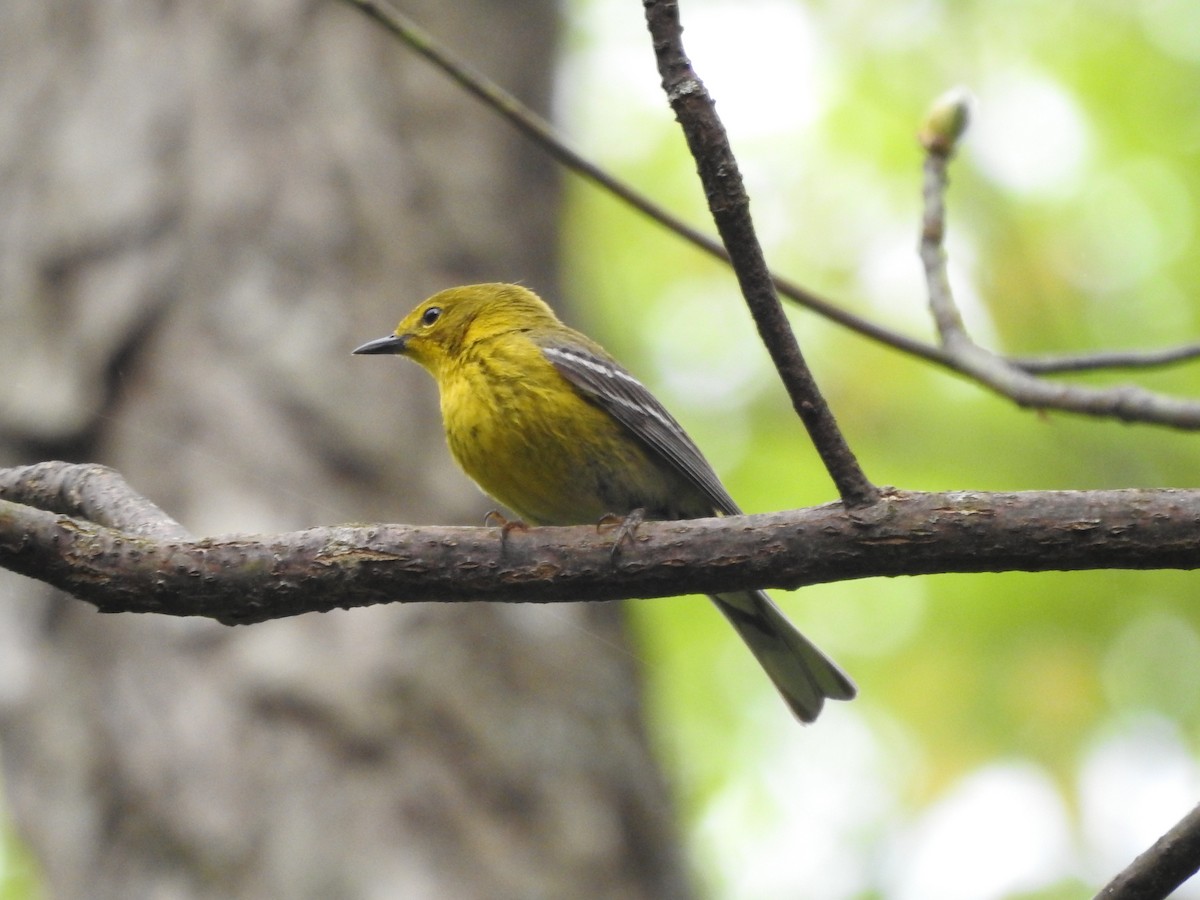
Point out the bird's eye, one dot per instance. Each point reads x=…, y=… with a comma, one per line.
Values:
x=431, y=315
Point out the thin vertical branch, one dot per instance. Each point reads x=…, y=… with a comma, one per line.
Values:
x=933, y=254
x=730, y=207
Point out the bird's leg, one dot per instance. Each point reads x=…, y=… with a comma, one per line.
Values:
x=626, y=525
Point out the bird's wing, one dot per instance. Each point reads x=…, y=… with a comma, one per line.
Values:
x=603, y=381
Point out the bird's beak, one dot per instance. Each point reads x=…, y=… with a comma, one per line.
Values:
x=393, y=343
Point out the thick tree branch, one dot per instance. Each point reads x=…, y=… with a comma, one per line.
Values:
x=730, y=208
x=91, y=492
x=1155, y=874
x=251, y=578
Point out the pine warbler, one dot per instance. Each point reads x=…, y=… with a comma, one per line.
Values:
x=552, y=427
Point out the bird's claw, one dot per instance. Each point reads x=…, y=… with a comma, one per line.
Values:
x=626, y=526
x=496, y=518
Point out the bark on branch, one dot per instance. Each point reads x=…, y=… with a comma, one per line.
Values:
x=250, y=578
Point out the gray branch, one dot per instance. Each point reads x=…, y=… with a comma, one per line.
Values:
x=1168, y=863
x=251, y=578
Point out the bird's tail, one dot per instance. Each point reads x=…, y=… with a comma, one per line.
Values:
x=803, y=674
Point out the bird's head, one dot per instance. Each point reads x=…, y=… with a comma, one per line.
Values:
x=436, y=332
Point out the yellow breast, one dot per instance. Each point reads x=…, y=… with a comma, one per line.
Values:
x=534, y=444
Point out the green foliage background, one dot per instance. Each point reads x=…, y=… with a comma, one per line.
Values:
x=1072, y=697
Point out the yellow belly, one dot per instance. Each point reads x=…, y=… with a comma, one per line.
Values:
x=542, y=450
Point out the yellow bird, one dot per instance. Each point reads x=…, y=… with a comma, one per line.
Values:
x=552, y=427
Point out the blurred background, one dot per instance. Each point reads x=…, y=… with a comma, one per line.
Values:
x=205, y=208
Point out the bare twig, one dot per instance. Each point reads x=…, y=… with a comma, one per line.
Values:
x=1105, y=359
x=527, y=121
x=946, y=317
x=1155, y=874
x=1126, y=402
x=730, y=208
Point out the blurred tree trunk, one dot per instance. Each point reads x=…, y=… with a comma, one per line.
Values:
x=207, y=205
